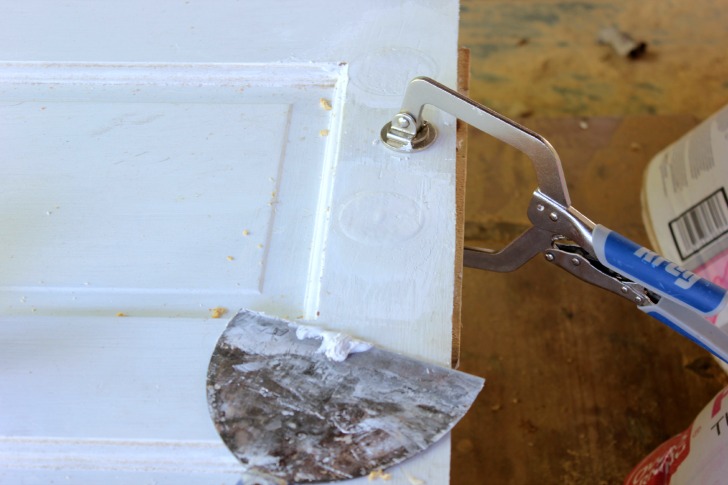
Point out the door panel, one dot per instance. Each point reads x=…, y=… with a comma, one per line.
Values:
x=165, y=162
x=150, y=198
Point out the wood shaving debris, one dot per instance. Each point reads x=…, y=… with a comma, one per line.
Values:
x=325, y=104
x=379, y=474
x=121, y=314
x=260, y=246
x=246, y=233
x=583, y=125
x=230, y=258
x=324, y=132
x=217, y=312
x=414, y=480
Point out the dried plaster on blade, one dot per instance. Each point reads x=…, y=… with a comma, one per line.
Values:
x=334, y=345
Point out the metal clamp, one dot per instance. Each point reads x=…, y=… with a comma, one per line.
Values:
x=567, y=238
x=408, y=131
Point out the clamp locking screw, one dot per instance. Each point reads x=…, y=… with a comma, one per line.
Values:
x=575, y=261
x=402, y=121
x=554, y=216
x=638, y=300
x=549, y=257
x=624, y=289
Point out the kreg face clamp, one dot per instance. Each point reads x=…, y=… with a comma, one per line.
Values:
x=568, y=239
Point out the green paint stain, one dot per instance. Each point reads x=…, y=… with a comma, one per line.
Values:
x=489, y=77
x=542, y=16
x=579, y=7
x=481, y=51
x=648, y=87
x=567, y=91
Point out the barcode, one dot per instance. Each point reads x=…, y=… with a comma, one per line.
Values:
x=701, y=224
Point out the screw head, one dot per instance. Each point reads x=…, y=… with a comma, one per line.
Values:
x=554, y=216
x=540, y=207
x=638, y=300
x=624, y=290
x=549, y=257
x=402, y=121
x=575, y=261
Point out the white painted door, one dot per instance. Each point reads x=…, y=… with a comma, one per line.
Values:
x=164, y=162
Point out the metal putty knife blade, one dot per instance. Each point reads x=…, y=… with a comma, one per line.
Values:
x=286, y=411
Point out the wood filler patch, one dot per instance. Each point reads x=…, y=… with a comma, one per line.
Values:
x=217, y=312
x=379, y=475
x=325, y=104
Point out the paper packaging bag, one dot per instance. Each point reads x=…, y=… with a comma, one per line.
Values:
x=685, y=209
x=698, y=455
x=685, y=203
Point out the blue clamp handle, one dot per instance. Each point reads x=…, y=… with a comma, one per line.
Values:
x=657, y=273
x=686, y=297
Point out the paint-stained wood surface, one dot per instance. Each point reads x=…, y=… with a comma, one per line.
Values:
x=580, y=388
x=542, y=58
x=581, y=385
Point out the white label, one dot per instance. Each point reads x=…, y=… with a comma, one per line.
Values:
x=701, y=225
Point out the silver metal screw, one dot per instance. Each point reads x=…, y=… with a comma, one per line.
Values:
x=624, y=290
x=554, y=216
x=402, y=121
x=575, y=261
x=549, y=257
x=638, y=300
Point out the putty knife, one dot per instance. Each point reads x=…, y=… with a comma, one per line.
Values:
x=292, y=415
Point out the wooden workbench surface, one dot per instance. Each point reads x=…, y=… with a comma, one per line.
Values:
x=580, y=384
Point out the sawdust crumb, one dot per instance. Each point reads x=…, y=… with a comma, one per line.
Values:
x=217, y=312
x=584, y=125
x=379, y=474
x=230, y=258
x=496, y=407
x=414, y=480
x=635, y=147
x=260, y=246
x=515, y=400
x=325, y=104
x=324, y=132
x=121, y=314
x=246, y=232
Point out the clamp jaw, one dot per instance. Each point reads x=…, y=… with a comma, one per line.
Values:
x=566, y=237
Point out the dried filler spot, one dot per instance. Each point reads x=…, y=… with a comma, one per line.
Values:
x=325, y=104
x=414, y=480
x=379, y=474
x=217, y=312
